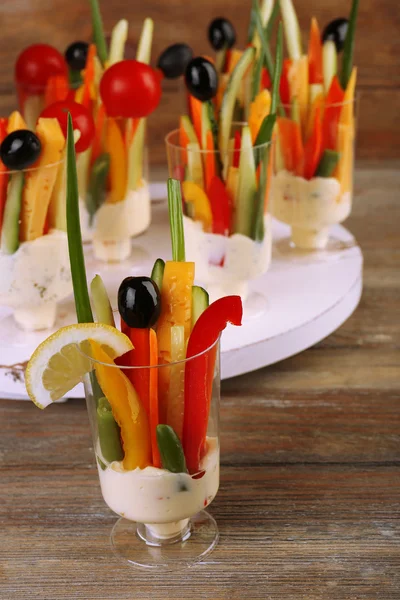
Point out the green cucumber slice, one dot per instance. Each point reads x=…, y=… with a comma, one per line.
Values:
x=157, y=273
x=12, y=211
x=200, y=301
x=186, y=123
x=119, y=36
x=328, y=162
x=143, y=53
x=229, y=99
x=109, y=432
x=329, y=59
x=195, y=165
x=247, y=186
x=101, y=302
x=348, y=50
x=292, y=29
x=96, y=193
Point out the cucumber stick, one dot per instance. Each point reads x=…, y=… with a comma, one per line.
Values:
x=96, y=193
x=157, y=273
x=119, y=36
x=328, y=162
x=143, y=53
x=229, y=99
x=187, y=125
x=195, y=166
x=101, y=302
x=329, y=60
x=82, y=169
x=247, y=186
x=200, y=301
x=135, y=157
x=292, y=29
x=12, y=211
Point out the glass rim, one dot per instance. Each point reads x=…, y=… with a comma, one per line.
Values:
x=38, y=90
x=184, y=361
x=331, y=104
x=175, y=131
x=29, y=169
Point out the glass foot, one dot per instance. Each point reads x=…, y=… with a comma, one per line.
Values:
x=255, y=306
x=333, y=250
x=140, y=546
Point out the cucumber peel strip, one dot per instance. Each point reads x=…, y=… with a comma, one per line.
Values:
x=348, y=51
x=77, y=261
x=176, y=220
x=98, y=32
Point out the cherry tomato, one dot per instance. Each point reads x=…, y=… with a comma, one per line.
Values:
x=81, y=120
x=36, y=64
x=130, y=89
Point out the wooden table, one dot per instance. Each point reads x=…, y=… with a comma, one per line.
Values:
x=309, y=504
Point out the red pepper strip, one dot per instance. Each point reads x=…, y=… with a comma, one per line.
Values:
x=315, y=70
x=313, y=147
x=199, y=373
x=57, y=89
x=266, y=82
x=195, y=113
x=333, y=106
x=153, y=397
x=220, y=206
x=3, y=173
x=140, y=357
x=284, y=88
x=236, y=149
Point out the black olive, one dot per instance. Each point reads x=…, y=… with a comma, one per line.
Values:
x=139, y=302
x=76, y=55
x=20, y=149
x=221, y=34
x=336, y=31
x=201, y=79
x=174, y=59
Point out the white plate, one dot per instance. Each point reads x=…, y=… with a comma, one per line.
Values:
x=301, y=300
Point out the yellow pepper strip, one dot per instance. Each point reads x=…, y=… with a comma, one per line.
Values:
x=194, y=194
x=299, y=88
x=118, y=164
x=259, y=109
x=127, y=410
x=15, y=122
x=176, y=309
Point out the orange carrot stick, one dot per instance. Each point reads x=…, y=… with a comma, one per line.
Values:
x=153, y=398
x=195, y=113
x=315, y=70
x=313, y=147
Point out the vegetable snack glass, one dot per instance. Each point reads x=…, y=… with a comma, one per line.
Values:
x=312, y=187
x=228, y=227
x=113, y=189
x=163, y=522
x=34, y=263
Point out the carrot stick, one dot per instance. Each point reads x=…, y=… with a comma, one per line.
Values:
x=313, y=147
x=333, y=106
x=315, y=69
x=153, y=398
x=291, y=145
x=118, y=161
x=57, y=89
x=195, y=113
x=88, y=93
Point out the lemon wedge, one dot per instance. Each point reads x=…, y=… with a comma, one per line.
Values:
x=59, y=363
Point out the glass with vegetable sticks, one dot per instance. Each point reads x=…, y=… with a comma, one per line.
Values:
x=34, y=264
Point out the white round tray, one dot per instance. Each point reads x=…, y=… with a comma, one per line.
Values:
x=305, y=298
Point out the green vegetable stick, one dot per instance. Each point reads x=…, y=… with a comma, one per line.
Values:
x=176, y=220
x=348, y=50
x=171, y=451
x=277, y=71
x=77, y=261
x=271, y=21
x=98, y=32
x=101, y=301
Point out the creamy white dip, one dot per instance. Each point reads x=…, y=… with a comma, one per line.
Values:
x=243, y=258
x=35, y=278
x=309, y=206
x=116, y=222
x=159, y=497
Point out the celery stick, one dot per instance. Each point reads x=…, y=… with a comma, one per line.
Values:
x=119, y=36
x=135, y=157
x=77, y=261
x=143, y=53
x=271, y=21
x=348, y=50
x=176, y=220
x=247, y=186
x=292, y=29
x=101, y=302
x=277, y=72
x=98, y=33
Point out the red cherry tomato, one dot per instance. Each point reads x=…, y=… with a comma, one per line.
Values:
x=81, y=120
x=130, y=89
x=36, y=64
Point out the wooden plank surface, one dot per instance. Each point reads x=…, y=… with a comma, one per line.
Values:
x=59, y=23
x=309, y=504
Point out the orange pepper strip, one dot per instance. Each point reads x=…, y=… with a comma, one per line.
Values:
x=153, y=398
x=176, y=309
x=127, y=410
x=118, y=161
x=315, y=70
x=313, y=147
x=88, y=93
x=291, y=145
x=333, y=107
x=195, y=113
x=57, y=88
x=210, y=159
x=3, y=173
